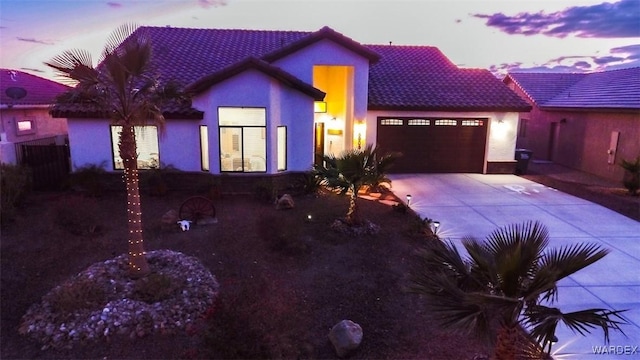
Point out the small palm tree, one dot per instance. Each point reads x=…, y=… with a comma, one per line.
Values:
x=352, y=170
x=123, y=89
x=501, y=287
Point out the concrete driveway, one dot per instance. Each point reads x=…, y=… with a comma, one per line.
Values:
x=475, y=205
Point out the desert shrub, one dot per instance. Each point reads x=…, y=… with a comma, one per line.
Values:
x=631, y=180
x=15, y=183
x=89, y=179
x=77, y=215
x=256, y=321
x=81, y=293
x=281, y=234
x=154, y=288
x=310, y=183
x=264, y=191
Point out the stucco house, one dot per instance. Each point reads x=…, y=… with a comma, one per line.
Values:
x=25, y=100
x=273, y=102
x=588, y=122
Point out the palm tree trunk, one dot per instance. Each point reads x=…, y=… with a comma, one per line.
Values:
x=138, y=266
x=352, y=214
x=506, y=343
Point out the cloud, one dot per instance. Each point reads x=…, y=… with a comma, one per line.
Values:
x=209, y=3
x=114, y=4
x=35, y=41
x=606, y=20
x=617, y=58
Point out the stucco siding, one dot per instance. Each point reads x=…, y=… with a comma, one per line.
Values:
x=90, y=143
x=284, y=107
x=179, y=146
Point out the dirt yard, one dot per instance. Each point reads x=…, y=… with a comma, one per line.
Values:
x=284, y=280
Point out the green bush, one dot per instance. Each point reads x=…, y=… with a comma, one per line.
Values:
x=15, y=183
x=77, y=294
x=155, y=288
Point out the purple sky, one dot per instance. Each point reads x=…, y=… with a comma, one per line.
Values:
x=500, y=35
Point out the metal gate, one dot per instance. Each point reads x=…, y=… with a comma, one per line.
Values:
x=49, y=163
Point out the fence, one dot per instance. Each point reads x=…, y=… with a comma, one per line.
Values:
x=49, y=163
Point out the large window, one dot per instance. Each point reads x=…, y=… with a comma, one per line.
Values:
x=282, y=148
x=146, y=143
x=243, y=145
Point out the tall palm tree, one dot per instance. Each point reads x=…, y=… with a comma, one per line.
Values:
x=502, y=286
x=353, y=169
x=122, y=88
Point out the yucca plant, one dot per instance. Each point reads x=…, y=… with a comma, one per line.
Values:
x=631, y=180
x=501, y=289
x=353, y=169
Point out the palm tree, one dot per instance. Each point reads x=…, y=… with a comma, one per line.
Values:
x=122, y=88
x=501, y=287
x=352, y=170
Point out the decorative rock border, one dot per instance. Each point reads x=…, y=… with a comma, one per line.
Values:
x=122, y=314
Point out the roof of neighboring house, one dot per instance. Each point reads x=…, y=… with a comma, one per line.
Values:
x=37, y=90
x=422, y=78
x=615, y=89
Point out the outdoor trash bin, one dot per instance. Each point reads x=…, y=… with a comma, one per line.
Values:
x=523, y=156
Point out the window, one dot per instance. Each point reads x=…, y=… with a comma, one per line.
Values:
x=204, y=148
x=522, y=131
x=390, y=122
x=243, y=146
x=25, y=127
x=422, y=122
x=146, y=143
x=282, y=148
x=472, y=123
x=444, y=122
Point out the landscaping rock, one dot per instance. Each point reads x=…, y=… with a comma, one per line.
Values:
x=285, y=202
x=345, y=337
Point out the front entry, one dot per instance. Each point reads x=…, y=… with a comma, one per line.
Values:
x=319, y=144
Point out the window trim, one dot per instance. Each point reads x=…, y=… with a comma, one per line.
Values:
x=205, y=162
x=30, y=131
x=286, y=148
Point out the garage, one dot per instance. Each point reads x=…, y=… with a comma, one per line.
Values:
x=434, y=145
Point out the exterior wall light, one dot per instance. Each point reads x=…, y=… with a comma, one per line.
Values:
x=319, y=106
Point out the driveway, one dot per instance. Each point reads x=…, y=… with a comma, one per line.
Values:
x=475, y=205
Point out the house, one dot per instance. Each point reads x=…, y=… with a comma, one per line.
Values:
x=274, y=102
x=588, y=122
x=25, y=100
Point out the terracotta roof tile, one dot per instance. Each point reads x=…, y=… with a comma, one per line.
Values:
x=39, y=91
x=615, y=89
x=422, y=78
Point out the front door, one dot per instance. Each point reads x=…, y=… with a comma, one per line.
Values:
x=319, y=144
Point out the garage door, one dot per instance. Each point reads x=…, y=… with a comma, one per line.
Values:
x=434, y=145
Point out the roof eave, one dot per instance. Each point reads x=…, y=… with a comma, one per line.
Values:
x=590, y=109
x=448, y=108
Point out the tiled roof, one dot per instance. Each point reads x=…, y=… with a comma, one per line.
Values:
x=541, y=87
x=615, y=89
x=39, y=91
x=422, y=78
x=257, y=64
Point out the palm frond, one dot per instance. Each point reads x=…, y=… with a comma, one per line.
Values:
x=544, y=320
x=76, y=66
x=569, y=259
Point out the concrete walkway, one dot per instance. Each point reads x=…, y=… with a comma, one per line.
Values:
x=475, y=205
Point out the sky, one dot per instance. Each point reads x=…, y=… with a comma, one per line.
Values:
x=499, y=35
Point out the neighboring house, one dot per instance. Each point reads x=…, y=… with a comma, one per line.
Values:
x=588, y=122
x=25, y=101
x=274, y=102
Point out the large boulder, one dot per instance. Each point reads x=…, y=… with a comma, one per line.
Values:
x=345, y=337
